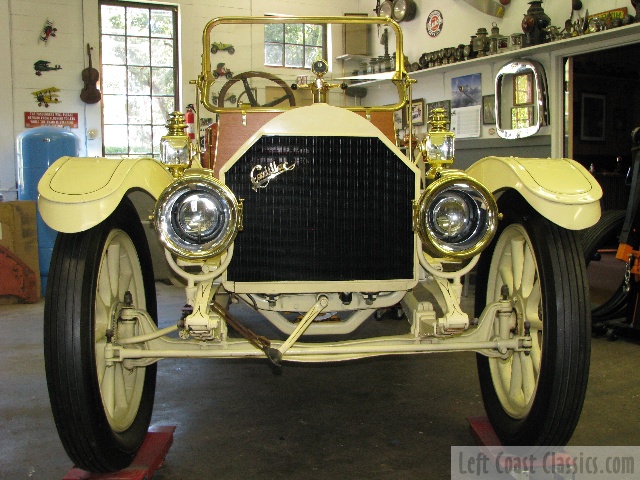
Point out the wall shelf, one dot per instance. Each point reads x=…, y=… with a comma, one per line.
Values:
x=569, y=44
x=352, y=57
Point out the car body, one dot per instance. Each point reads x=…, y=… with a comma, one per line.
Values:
x=316, y=219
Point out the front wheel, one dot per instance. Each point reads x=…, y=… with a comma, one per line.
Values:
x=101, y=409
x=535, y=397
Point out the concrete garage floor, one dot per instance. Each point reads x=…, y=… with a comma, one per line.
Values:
x=385, y=418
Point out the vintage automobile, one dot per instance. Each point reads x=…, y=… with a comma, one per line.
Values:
x=313, y=217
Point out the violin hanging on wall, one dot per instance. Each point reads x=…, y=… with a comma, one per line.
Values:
x=90, y=77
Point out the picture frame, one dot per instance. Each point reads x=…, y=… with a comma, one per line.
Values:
x=466, y=91
x=444, y=104
x=399, y=119
x=593, y=117
x=523, y=89
x=489, y=109
x=417, y=112
x=522, y=117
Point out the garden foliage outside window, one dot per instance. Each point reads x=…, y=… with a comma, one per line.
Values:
x=139, y=75
x=294, y=45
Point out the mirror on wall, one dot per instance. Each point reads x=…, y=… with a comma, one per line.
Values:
x=522, y=105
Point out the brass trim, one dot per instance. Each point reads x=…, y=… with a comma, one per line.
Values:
x=206, y=79
x=241, y=214
x=430, y=243
x=199, y=178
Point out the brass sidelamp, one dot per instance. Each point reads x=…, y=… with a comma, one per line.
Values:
x=176, y=148
x=437, y=148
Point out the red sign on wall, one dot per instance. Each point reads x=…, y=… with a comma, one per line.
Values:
x=52, y=119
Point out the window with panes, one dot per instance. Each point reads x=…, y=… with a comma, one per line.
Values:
x=139, y=51
x=294, y=45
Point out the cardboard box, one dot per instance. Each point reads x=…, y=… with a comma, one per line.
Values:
x=18, y=233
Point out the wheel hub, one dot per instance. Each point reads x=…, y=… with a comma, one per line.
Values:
x=518, y=305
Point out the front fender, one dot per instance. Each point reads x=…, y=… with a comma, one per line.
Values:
x=560, y=189
x=78, y=193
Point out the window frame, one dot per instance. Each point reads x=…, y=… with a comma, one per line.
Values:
x=173, y=9
x=323, y=47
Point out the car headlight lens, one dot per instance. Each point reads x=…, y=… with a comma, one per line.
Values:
x=200, y=216
x=197, y=217
x=456, y=216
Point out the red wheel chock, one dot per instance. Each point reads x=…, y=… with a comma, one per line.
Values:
x=489, y=443
x=482, y=432
x=150, y=457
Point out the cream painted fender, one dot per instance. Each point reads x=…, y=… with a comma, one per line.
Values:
x=560, y=189
x=78, y=193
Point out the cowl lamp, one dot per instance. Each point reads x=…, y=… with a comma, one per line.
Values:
x=437, y=148
x=176, y=148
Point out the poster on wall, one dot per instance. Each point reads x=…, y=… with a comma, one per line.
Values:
x=50, y=119
x=465, y=121
x=466, y=91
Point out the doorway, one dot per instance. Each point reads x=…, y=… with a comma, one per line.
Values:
x=601, y=108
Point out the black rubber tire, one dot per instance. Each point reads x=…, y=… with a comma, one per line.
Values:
x=553, y=410
x=605, y=234
x=70, y=349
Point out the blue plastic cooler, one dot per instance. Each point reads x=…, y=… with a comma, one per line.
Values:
x=37, y=149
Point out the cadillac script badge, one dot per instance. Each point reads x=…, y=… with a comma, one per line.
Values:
x=261, y=175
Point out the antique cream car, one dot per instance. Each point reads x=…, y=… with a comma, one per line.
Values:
x=315, y=218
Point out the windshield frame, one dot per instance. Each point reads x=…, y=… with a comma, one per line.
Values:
x=398, y=76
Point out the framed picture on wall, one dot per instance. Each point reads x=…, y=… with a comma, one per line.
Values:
x=489, y=109
x=444, y=104
x=417, y=111
x=466, y=91
x=399, y=122
x=592, y=117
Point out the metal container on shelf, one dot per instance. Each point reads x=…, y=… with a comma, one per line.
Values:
x=37, y=148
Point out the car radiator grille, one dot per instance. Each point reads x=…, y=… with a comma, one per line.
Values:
x=342, y=213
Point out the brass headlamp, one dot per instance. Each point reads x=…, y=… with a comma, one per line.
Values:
x=456, y=216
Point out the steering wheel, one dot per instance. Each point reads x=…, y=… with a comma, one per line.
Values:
x=244, y=77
